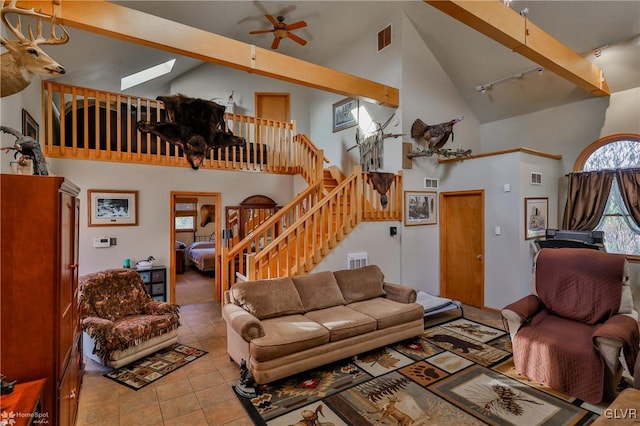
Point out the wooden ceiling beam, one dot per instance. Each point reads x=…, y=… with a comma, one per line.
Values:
x=112, y=20
x=507, y=27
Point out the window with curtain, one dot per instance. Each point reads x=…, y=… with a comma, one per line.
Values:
x=186, y=213
x=622, y=232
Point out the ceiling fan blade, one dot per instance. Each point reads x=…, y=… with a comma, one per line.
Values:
x=260, y=31
x=295, y=25
x=276, y=43
x=297, y=39
x=272, y=20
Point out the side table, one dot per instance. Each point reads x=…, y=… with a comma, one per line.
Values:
x=24, y=404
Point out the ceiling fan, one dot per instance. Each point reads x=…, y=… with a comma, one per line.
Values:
x=281, y=30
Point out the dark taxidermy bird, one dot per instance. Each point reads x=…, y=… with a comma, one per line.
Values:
x=436, y=135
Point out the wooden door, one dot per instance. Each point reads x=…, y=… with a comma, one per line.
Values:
x=272, y=106
x=462, y=246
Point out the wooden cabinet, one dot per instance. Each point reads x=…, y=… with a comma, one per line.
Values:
x=40, y=334
x=179, y=261
x=155, y=281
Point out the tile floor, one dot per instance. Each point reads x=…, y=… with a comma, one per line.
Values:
x=197, y=394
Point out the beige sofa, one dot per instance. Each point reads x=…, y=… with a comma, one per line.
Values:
x=287, y=325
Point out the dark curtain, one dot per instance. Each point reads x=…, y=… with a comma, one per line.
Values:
x=587, y=195
x=629, y=184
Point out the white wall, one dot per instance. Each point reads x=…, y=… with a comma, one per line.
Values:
x=152, y=235
x=566, y=129
x=213, y=81
x=508, y=256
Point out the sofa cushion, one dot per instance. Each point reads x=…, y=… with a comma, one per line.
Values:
x=319, y=290
x=285, y=335
x=360, y=284
x=387, y=312
x=342, y=322
x=267, y=298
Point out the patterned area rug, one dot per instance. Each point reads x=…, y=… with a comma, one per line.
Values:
x=147, y=370
x=459, y=372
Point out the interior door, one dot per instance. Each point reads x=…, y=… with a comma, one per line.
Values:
x=172, y=276
x=462, y=246
x=272, y=106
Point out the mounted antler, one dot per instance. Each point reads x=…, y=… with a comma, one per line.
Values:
x=24, y=59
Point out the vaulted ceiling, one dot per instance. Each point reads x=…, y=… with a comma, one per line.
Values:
x=470, y=58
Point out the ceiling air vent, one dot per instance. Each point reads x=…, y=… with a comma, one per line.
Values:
x=431, y=183
x=536, y=178
x=384, y=37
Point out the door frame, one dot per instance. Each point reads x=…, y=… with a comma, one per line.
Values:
x=172, y=242
x=443, y=237
x=285, y=95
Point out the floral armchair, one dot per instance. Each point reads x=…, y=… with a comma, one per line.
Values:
x=121, y=322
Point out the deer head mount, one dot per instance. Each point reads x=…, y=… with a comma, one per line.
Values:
x=24, y=58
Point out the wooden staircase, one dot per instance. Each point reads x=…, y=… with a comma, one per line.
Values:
x=317, y=220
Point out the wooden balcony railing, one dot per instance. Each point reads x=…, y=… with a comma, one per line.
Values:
x=316, y=226
x=90, y=124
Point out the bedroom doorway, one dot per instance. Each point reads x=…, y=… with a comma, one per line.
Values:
x=194, y=224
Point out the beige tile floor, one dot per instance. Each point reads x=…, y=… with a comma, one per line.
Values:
x=198, y=394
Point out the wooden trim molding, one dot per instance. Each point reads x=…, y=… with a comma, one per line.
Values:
x=502, y=152
x=591, y=148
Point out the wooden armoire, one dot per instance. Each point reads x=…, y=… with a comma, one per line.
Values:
x=40, y=335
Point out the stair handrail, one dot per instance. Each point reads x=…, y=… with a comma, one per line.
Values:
x=355, y=215
x=270, y=228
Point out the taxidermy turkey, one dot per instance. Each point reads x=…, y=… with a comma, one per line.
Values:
x=436, y=135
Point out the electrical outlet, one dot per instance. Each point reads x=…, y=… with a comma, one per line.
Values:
x=113, y=241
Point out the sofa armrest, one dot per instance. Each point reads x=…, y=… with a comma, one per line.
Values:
x=242, y=322
x=619, y=331
x=155, y=307
x=399, y=293
x=91, y=324
x=520, y=312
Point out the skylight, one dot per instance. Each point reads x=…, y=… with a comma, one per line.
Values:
x=146, y=75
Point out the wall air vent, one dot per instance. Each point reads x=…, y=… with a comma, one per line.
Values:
x=431, y=183
x=357, y=260
x=536, y=178
x=384, y=37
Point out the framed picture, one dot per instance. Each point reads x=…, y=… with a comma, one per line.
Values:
x=536, y=217
x=345, y=114
x=420, y=208
x=29, y=126
x=113, y=208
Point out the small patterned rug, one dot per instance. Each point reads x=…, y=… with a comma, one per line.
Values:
x=458, y=373
x=140, y=373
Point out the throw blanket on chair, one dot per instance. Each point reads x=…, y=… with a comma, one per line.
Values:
x=579, y=294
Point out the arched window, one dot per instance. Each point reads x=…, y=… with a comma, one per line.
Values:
x=621, y=151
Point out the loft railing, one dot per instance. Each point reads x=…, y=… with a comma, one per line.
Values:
x=90, y=124
x=320, y=225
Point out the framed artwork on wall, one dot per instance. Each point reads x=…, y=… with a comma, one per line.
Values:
x=420, y=208
x=345, y=114
x=536, y=217
x=113, y=208
x=30, y=126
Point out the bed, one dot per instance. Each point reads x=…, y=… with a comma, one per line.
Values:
x=201, y=253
